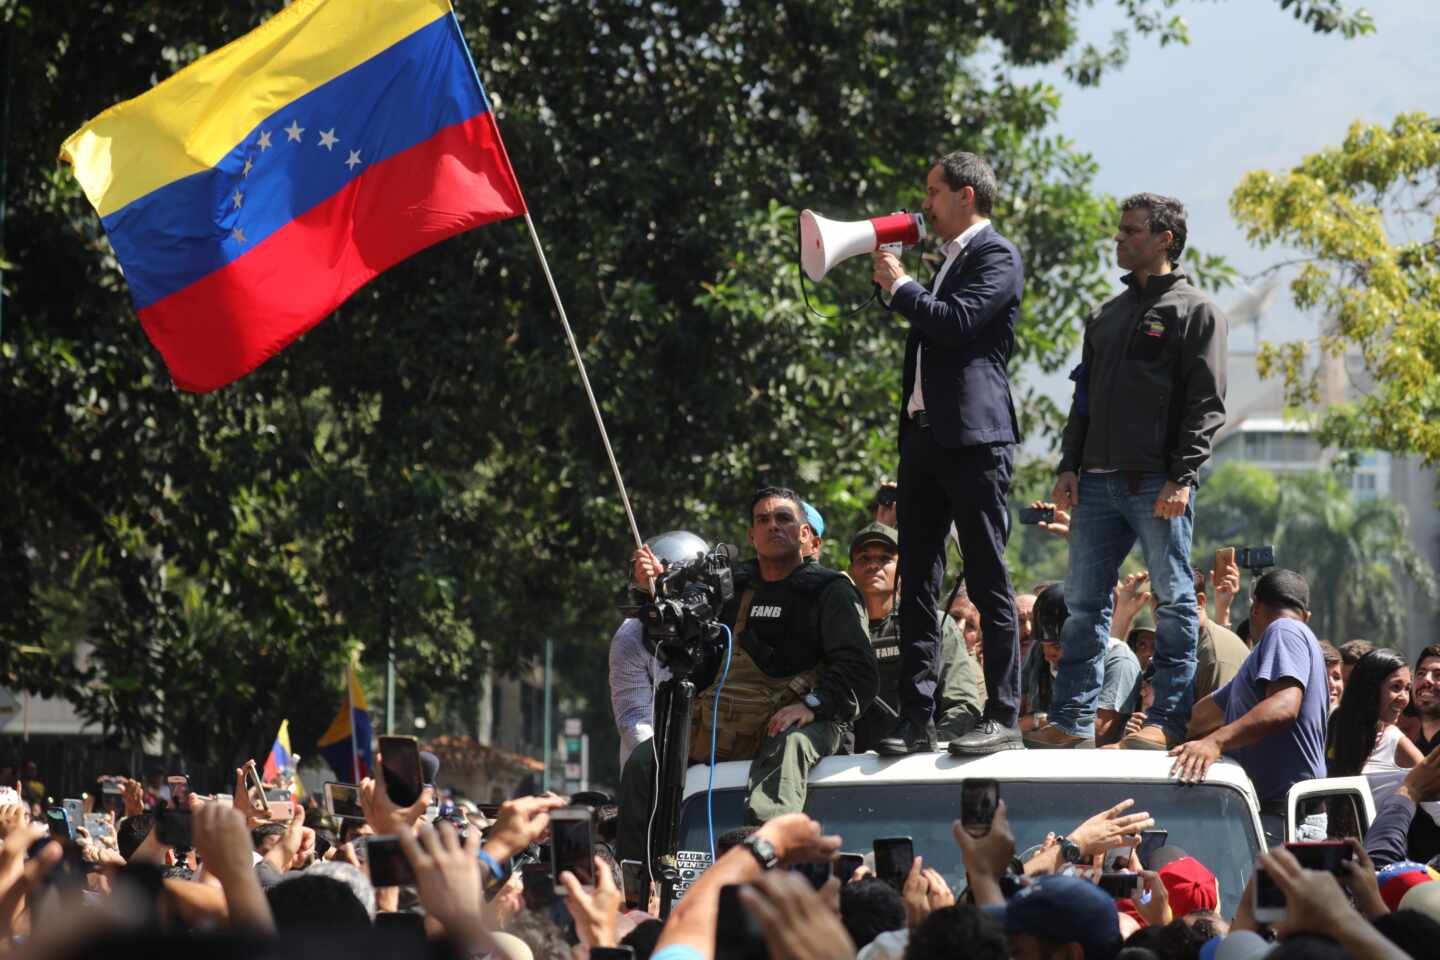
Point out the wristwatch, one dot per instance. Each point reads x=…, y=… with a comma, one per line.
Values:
x=763, y=850
x=812, y=701
x=1069, y=851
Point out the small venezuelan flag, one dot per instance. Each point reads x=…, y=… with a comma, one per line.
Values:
x=346, y=743
x=279, y=760
x=250, y=194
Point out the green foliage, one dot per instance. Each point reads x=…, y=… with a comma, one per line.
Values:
x=1364, y=215
x=1349, y=549
x=420, y=473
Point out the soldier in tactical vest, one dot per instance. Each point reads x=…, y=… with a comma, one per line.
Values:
x=801, y=671
x=874, y=552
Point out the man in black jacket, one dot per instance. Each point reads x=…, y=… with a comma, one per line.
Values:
x=1149, y=398
x=801, y=671
x=957, y=431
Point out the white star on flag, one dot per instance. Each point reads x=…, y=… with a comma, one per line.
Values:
x=353, y=160
x=264, y=140
x=238, y=234
x=294, y=131
x=328, y=139
x=248, y=164
x=239, y=198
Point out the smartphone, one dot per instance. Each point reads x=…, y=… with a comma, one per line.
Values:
x=737, y=933
x=539, y=886
x=388, y=864
x=173, y=828
x=612, y=953
x=886, y=496
x=1269, y=902
x=979, y=799
x=58, y=819
x=1033, y=515
x=572, y=845
x=1327, y=855
x=179, y=785
x=400, y=762
x=255, y=790
x=1224, y=561
x=343, y=800
x=1121, y=886
x=845, y=865
x=636, y=882
x=893, y=857
x=1118, y=860
x=281, y=810
x=274, y=793
x=1150, y=841
x=99, y=826
x=817, y=873
x=75, y=809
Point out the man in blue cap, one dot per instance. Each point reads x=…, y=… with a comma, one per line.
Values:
x=1061, y=918
x=811, y=542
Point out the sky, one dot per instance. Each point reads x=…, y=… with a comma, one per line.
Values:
x=1254, y=89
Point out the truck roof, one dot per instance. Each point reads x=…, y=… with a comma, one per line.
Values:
x=1055, y=765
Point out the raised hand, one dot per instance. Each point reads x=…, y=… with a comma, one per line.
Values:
x=448, y=879
x=597, y=914
x=794, y=920
x=1110, y=829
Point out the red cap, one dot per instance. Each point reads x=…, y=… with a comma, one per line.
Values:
x=1191, y=886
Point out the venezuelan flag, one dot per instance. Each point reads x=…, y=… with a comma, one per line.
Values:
x=248, y=195
x=346, y=743
x=279, y=759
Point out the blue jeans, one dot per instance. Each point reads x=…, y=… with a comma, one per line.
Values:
x=1103, y=527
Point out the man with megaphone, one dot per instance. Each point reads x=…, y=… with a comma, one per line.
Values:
x=957, y=434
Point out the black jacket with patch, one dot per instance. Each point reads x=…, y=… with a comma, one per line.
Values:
x=1154, y=368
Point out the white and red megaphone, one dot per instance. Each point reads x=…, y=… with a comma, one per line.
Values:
x=824, y=243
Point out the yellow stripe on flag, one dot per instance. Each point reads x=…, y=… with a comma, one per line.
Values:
x=189, y=122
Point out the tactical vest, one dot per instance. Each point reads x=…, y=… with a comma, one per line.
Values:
x=776, y=628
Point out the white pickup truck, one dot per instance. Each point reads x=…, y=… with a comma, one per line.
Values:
x=863, y=797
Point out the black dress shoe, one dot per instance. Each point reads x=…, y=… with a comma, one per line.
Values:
x=991, y=736
x=908, y=737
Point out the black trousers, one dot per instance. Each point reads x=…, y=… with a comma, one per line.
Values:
x=968, y=486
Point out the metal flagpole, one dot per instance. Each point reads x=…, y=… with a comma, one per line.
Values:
x=584, y=378
x=350, y=705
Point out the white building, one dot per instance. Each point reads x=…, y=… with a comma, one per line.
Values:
x=1259, y=431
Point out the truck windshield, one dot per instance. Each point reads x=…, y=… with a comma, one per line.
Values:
x=1211, y=822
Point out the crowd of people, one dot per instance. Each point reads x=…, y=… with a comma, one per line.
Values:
x=243, y=883
x=873, y=658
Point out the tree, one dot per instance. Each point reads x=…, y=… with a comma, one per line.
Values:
x=1350, y=550
x=420, y=473
x=1363, y=216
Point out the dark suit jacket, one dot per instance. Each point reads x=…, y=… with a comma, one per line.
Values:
x=968, y=330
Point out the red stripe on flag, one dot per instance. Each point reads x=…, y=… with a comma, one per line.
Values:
x=223, y=326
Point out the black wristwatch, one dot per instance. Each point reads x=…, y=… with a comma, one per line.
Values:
x=763, y=850
x=1069, y=852
x=812, y=702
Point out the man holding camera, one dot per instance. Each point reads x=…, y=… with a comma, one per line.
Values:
x=957, y=431
x=1149, y=398
x=801, y=670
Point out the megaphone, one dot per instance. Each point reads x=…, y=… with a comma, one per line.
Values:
x=824, y=243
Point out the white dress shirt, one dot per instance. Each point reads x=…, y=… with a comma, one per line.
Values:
x=952, y=250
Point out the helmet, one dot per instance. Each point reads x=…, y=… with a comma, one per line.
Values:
x=677, y=546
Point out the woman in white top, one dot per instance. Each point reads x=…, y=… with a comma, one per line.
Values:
x=1363, y=737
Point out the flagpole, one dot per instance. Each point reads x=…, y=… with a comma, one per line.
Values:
x=350, y=705
x=584, y=378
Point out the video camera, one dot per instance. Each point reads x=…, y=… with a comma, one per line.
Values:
x=682, y=623
x=1255, y=559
